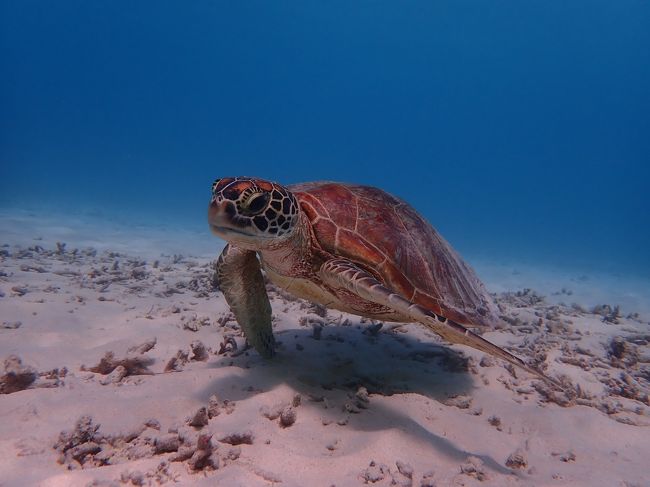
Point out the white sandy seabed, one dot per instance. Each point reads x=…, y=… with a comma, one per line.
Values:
x=123, y=366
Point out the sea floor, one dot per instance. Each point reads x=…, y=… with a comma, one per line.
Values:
x=122, y=365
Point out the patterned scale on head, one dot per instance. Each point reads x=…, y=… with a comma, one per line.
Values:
x=254, y=206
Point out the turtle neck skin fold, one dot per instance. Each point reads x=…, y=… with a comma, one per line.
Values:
x=293, y=255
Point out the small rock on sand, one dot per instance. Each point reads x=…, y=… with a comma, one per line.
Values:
x=405, y=469
x=288, y=417
x=11, y=325
x=200, y=418
x=374, y=473
x=16, y=376
x=143, y=347
x=199, y=352
x=202, y=457
x=495, y=421
x=473, y=467
x=241, y=438
x=114, y=377
x=428, y=479
x=167, y=443
x=135, y=364
x=214, y=408
x=80, y=442
x=517, y=460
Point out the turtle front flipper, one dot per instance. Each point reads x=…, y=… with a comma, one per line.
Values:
x=242, y=284
x=342, y=273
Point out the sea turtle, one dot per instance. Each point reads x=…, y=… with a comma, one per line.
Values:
x=353, y=248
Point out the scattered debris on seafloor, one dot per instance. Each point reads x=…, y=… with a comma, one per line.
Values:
x=347, y=374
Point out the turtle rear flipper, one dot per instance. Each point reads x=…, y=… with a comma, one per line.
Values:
x=342, y=273
x=242, y=284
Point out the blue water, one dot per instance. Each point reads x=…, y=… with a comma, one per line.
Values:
x=519, y=129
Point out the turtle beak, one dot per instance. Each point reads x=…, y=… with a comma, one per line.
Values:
x=217, y=217
x=220, y=215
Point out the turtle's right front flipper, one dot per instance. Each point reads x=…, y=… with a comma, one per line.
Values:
x=242, y=284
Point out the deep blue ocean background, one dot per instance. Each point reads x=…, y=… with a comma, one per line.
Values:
x=520, y=129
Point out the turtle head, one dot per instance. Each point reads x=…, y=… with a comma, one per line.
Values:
x=251, y=212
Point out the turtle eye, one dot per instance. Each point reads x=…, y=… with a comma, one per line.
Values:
x=256, y=203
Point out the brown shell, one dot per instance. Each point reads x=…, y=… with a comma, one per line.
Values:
x=389, y=238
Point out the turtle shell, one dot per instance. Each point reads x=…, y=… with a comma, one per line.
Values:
x=386, y=236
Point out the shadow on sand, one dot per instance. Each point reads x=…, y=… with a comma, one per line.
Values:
x=344, y=359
